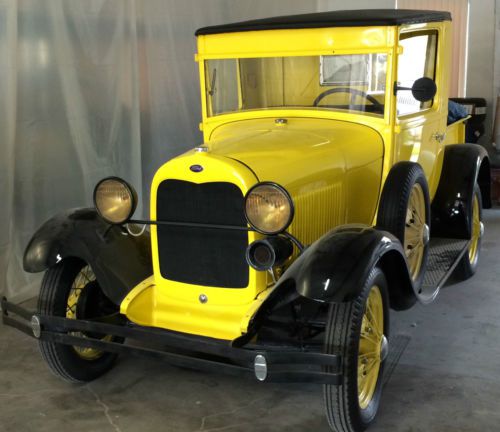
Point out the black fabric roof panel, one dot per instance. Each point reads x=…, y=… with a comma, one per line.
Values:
x=344, y=18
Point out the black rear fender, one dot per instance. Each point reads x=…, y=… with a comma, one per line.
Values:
x=120, y=261
x=451, y=208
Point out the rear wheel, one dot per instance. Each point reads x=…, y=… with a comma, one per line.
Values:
x=468, y=264
x=70, y=289
x=358, y=331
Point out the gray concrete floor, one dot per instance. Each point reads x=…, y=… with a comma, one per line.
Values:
x=448, y=379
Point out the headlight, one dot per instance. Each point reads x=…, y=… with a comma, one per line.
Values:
x=115, y=200
x=268, y=208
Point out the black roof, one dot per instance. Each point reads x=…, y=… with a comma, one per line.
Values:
x=344, y=18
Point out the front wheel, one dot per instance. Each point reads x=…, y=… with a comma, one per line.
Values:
x=70, y=290
x=358, y=331
x=404, y=211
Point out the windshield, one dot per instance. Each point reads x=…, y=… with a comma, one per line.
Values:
x=337, y=82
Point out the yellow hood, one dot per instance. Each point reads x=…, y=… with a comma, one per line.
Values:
x=298, y=150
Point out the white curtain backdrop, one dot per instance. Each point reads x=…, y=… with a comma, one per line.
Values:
x=95, y=88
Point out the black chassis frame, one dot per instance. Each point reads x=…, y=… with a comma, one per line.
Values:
x=265, y=363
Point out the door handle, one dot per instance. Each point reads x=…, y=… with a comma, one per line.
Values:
x=439, y=137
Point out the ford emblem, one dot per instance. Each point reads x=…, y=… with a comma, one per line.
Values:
x=196, y=168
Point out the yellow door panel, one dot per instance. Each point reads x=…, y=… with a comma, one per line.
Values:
x=419, y=140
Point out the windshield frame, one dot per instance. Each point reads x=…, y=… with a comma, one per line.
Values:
x=309, y=111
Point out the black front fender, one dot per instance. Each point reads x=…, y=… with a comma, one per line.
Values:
x=336, y=266
x=334, y=269
x=120, y=261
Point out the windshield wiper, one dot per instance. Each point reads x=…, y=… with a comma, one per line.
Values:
x=212, y=84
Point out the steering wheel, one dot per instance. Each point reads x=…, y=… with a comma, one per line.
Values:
x=354, y=92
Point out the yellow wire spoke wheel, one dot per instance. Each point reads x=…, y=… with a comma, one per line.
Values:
x=69, y=289
x=404, y=211
x=476, y=231
x=370, y=347
x=468, y=264
x=414, y=235
x=357, y=331
x=84, y=277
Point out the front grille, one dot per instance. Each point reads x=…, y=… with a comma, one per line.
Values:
x=202, y=256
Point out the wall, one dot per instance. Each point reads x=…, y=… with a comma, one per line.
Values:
x=325, y=5
x=496, y=74
x=480, y=78
x=496, y=78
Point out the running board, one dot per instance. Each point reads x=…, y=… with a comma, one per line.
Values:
x=444, y=255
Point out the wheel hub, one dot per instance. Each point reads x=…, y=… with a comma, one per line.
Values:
x=82, y=300
x=477, y=232
x=87, y=300
x=426, y=234
x=372, y=347
x=384, y=348
x=417, y=233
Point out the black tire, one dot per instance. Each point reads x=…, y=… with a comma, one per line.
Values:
x=467, y=266
x=392, y=211
x=343, y=334
x=63, y=360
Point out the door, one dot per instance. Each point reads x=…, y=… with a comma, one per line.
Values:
x=421, y=125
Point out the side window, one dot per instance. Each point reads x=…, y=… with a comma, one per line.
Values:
x=417, y=60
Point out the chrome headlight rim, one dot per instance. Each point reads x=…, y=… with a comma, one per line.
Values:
x=287, y=196
x=131, y=191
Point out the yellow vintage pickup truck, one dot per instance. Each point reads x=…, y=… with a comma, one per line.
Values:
x=328, y=189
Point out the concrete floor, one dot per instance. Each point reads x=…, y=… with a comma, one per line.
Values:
x=448, y=379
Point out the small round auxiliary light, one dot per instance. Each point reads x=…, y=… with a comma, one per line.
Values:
x=115, y=200
x=261, y=256
x=264, y=254
x=268, y=208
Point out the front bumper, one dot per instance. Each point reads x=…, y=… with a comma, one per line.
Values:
x=264, y=363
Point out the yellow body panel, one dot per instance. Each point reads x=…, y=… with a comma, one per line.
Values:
x=176, y=305
x=268, y=43
x=150, y=304
x=333, y=163
x=328, y=166
x=455, y=132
